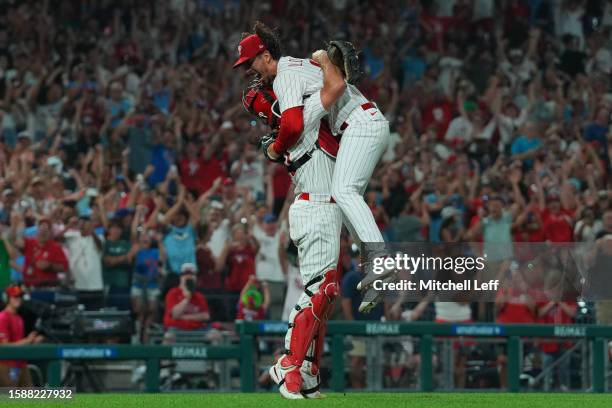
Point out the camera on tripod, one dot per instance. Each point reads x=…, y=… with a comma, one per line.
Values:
x=67, y=321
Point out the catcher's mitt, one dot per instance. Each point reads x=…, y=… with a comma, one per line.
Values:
x=344, y=55
x=265, y=142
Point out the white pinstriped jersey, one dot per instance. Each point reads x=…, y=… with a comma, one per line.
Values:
x=295, y=79
x=314, y=176
x=314, y=225
x=348, y=103
x=313, y=113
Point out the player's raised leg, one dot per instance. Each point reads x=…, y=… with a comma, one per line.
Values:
x=363, y=144
x=360, y=150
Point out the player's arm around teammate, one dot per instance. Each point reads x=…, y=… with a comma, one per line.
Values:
x=333, y=87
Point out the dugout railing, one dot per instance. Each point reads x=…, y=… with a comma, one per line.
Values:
x=597, y=336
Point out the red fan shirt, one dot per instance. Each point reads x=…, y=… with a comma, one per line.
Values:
x=557, y=226
x=556, y=315
x=515, y=309
x=11, y=330
x=34, y=251
x=197, y=304
x=208, y=277
x=242, y=265
x=198, y=174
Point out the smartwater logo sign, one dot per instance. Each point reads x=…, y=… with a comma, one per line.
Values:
x=273, y=328
x=379, y=328
x=86, y=353
x=491, y=330
x=189, y=352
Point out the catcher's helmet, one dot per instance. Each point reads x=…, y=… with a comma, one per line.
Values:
x=262, y=103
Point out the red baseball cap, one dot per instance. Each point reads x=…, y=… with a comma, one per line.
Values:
x=45, y=220
x=249, y=48
x=14, y=291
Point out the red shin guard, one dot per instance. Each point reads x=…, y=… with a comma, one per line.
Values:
x=310, y=320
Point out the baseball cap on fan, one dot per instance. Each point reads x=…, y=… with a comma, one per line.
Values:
x=249, y=48
x=25, y=135
x=269, y=218
x=14, y=291
x=188, y=268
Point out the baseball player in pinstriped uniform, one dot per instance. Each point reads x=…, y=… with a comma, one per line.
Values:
x=315, y=222
x=364, y=129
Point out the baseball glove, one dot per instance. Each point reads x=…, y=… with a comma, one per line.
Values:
x=265, y=142
x=344, y=55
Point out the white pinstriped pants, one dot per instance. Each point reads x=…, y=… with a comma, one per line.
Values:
x=315, y=229
x=363, y=144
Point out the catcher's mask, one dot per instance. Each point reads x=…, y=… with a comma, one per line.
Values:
x=262, y=103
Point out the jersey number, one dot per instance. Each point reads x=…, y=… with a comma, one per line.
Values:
x=295, y=62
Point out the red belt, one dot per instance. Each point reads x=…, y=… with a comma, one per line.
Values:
x=306, y=197
x=365, y=106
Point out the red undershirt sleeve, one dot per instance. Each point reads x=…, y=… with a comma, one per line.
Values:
x=291, y=127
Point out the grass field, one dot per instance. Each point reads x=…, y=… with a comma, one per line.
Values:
x=352, y=400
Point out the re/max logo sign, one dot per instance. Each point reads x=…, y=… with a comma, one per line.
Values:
x=378, y=328
x=196, y=352
x=570, y=331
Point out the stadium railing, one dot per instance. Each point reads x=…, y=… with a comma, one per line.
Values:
x=426, y=331
x=245, y=352
x=55, y=353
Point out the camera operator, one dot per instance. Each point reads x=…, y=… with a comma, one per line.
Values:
x=186, y=309
x=15, y=373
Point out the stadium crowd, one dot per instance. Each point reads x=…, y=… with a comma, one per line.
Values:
x=126, y=157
